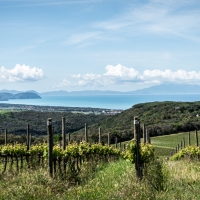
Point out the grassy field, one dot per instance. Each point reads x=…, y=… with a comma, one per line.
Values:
x=165, y=144
x=171, y=141
x=116, y=180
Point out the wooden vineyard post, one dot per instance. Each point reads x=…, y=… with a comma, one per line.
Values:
x=197, y=140
x=28, y=137
x=50, y=146
x=144, y=134
x=30, y=140
x=63, y=134
x=147, y=136
x=99, y=135
x=6, y=136
x=124, y=146
x=69, y=138
x=189, y=141
x=183, y=142
x=5, y=159
x=28, y=144
x=86, y=133
x=138, y=163
x=108, y=139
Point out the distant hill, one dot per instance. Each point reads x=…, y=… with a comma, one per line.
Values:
x=158, y=89
x=26, y=95
x=4, y=96
x=169, y=89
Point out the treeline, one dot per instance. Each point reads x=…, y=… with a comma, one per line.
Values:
x=16, y=122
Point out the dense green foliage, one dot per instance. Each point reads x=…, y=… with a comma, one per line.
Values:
x=160, y=118
x=16, y=122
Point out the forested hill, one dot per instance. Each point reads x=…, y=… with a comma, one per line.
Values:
x=16, y=122
x=159, y=117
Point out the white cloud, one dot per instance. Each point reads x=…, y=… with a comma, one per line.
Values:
x=20, y=73
x=170, y=76
x=120, y=71
x=120, y=75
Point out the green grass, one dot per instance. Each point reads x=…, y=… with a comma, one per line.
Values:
x=116, y=180
x=3, y=111
x=165, y=144
x=171, y=141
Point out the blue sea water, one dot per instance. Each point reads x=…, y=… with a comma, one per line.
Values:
x=104, y=101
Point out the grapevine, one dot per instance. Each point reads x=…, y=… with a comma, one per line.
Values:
x=191, y=152
x=146, y=152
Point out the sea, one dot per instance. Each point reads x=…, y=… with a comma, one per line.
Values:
x=122, y=102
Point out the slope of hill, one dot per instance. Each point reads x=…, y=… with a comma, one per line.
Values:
x=4, y=96
x=26, y=95
x=160, y=118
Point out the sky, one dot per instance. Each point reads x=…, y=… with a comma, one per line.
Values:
x=119, y=45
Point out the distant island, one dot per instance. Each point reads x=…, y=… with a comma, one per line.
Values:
x=5, y=96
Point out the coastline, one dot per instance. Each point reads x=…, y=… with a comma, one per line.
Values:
x=96, y=102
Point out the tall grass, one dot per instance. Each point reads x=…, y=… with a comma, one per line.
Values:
x=115, y=180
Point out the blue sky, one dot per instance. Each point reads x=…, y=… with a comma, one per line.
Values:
x=121, y=45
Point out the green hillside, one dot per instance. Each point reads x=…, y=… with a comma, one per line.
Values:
x=160, y=118
x=16, y=122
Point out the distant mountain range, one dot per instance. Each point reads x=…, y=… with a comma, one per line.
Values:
x=158, y=89
x=170, y=89
x=5, y=96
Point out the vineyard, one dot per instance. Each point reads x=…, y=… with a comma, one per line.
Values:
x=87, y=170
x=17, y=157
